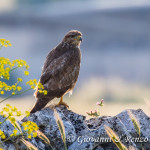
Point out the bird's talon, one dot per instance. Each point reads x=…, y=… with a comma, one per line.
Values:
x=62, y=103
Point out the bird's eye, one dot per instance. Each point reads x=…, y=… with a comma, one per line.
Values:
x=72, y=36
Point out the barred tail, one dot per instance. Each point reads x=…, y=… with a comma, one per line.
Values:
x=41, y=103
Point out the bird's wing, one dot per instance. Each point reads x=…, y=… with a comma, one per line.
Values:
x=60, y=73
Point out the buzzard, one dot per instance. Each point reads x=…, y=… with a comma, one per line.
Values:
x=60, y=71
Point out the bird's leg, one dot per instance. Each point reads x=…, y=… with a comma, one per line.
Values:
x=61, y=103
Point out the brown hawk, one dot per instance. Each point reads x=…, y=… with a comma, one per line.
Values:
x=60, y=71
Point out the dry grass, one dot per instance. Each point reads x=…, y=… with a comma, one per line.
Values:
x=114, y=137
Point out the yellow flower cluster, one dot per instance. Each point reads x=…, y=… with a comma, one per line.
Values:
x=2, y=135
x=31, y=128
x=5, y=43
x=37, y=85
x=27, y=113
x=10, y=112
x=15, y=131
x=6, y=66
x=20, y=63
x=14, y=88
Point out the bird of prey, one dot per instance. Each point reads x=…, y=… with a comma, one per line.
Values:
x=60, y=71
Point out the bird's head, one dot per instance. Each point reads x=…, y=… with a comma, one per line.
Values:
x=73, y=37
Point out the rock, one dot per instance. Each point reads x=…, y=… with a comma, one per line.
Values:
x=82, y=134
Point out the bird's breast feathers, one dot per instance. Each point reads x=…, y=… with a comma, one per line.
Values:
x=63, y=71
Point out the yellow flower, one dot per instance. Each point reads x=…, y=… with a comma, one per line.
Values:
x=6, y=109
x=19, y=88
x=26, y=73
x=8, y=105
x=40, y=91
x=23, y=124
x=29, y=136
x=10, y=114
x=27, y=113
x=33, y=87
x=34, y=134
x=2, y=92
x=14, y=109
x=15, y=132
x=2, y=135
x=2, y=113
x=13, y=87
x=1, y=132
x=12, y=119
x=20, y=79
x=13, y=93
x=18, y=113
x=5, y=43
x=45, y=92
x=25, y=128
x=40, y=85
x=29, y=130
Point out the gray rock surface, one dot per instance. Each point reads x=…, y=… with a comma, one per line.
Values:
x=82, y=134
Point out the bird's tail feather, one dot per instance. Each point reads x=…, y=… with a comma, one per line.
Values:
x=41, y=103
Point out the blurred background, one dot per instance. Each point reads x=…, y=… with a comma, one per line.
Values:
x=115, y=49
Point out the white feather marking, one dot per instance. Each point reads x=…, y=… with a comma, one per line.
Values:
x=70, y=92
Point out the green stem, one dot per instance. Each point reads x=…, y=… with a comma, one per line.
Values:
x=5, y=119
x=18, y=127
x=24, y=91
x=6, y=98
x=141, y=143
x=15, y=94
x=7, y=139
x=13, y=69
x=1, y=143
x=51, y=146
x=65, y=145
x=11, y=137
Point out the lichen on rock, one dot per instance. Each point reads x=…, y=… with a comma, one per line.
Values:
x=82, y=134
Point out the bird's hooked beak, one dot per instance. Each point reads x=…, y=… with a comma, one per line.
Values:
x=79, y=38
